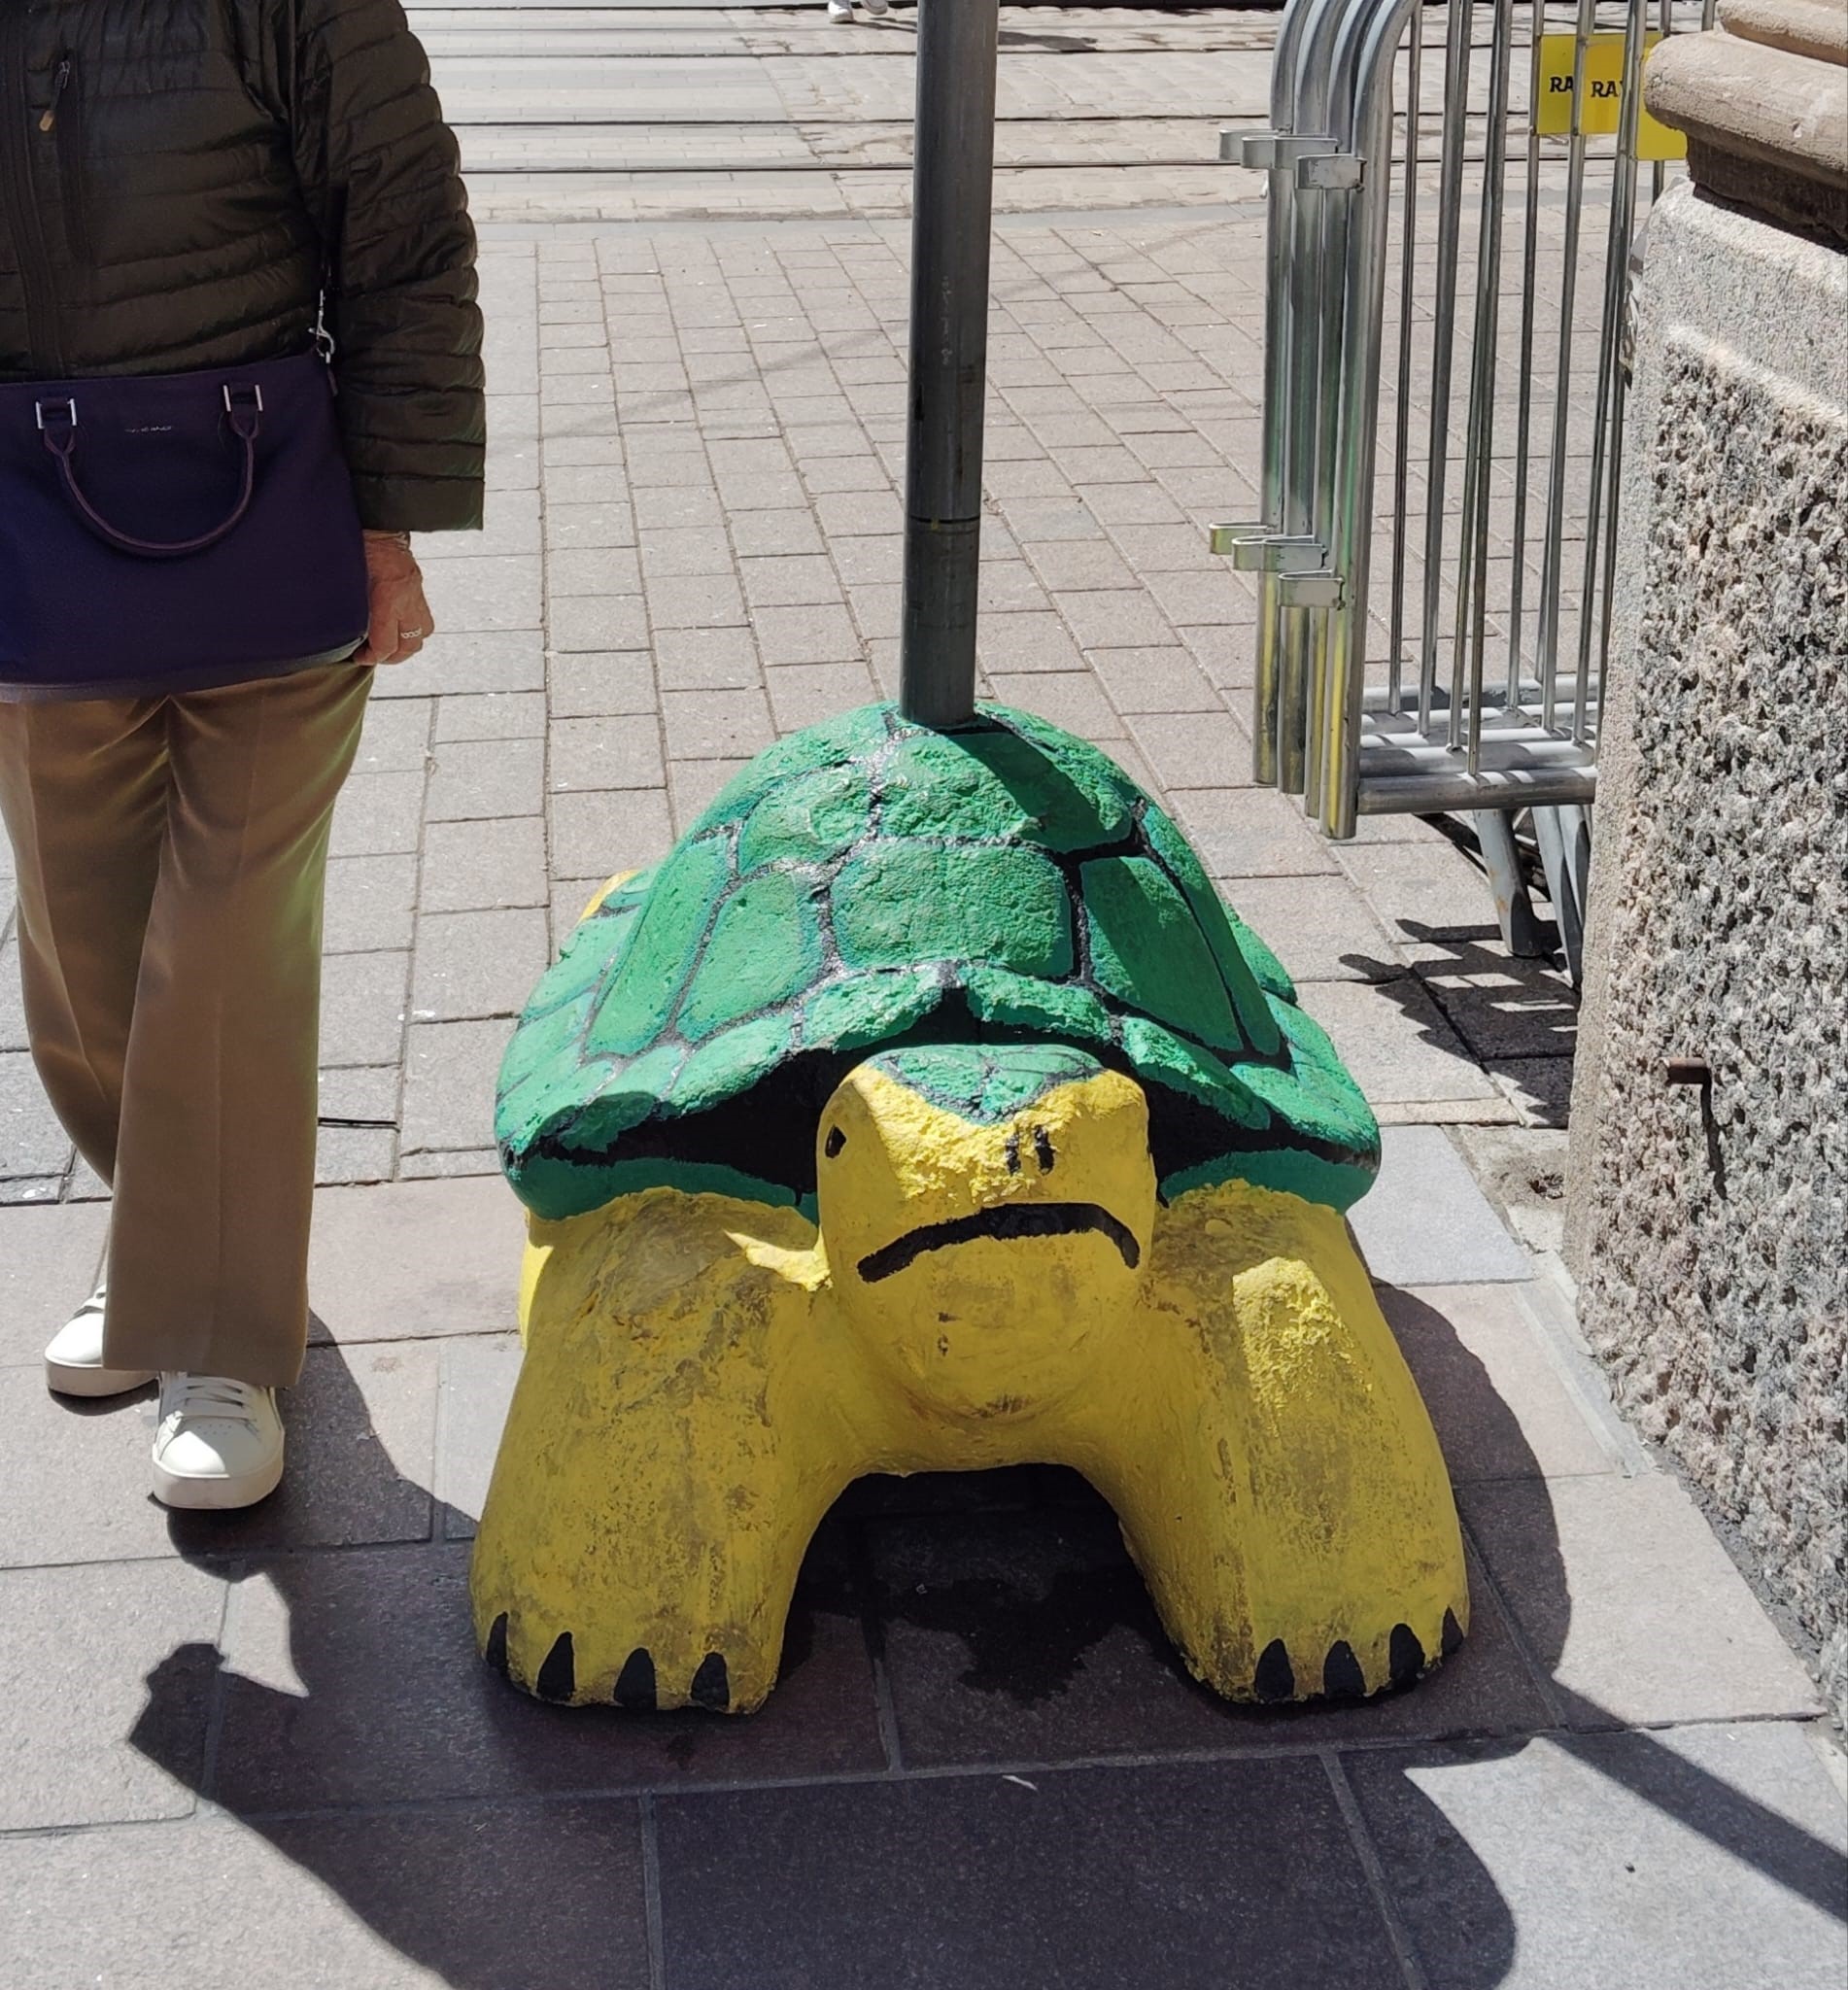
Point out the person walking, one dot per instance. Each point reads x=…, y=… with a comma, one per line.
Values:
x=239, y=367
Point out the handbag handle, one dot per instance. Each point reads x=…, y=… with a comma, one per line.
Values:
x=57, y=424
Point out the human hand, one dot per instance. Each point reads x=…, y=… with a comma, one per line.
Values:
x=401, y=619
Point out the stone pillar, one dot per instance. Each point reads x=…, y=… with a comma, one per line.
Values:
x=1708, y=1178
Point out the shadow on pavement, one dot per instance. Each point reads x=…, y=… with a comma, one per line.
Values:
x=989, y=1623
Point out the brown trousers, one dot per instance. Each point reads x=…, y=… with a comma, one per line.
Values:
x=172, y=861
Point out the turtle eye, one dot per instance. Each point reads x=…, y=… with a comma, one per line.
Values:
x=1042, y=1146
x=835, y=1142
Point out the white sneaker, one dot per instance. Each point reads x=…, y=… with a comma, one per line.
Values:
x=74, y=1356
x=875, y=8
x=840, y=9
x=219, y=1443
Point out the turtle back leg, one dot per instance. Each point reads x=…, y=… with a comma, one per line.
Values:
x=1271, y=1462
x=652, y=1496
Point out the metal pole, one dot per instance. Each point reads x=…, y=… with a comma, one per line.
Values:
x=1553, y=556
x=1472, y=587
x=1608, y=420
x=1450, y=223
x=1402, y=412
x=1364, y=58
x=1524, y=438
x=952, y=208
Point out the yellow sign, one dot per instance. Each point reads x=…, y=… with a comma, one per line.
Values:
x=1603, y=94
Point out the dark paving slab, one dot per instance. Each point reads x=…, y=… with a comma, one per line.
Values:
x=1500, y=1005
x=476, y=1897
x=1689, y=1859
x=352, y=1678
x=1192, y=1878
x=1030, y=1636
x=362, y=1429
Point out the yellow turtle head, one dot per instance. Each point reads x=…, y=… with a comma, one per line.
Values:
x=984, y=1209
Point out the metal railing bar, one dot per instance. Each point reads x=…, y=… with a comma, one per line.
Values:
x=1310, y=116
x=1458, y=39
x=1473, y=580
x=1443, y=793
x=1364, y=61
x=1381, y=758
x=1276, y=404
x=1500, y=87
x=1609, y=378
x=1523, y=429
x=1524, y=720
x=1402, y=421
x=1551, y=568
x=1659, y=171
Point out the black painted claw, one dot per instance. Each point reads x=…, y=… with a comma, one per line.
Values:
x=1341, y=1675
x=1275, y=1679
x=494, y=1651
x=1452, y=1633
x=558, y=1676
x=635, y=1682
x=711, y=1684
x=1405, y=1656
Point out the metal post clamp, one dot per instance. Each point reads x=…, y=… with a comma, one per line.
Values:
x=1265, y=152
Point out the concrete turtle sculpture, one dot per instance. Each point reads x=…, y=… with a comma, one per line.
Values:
x=926, y=1108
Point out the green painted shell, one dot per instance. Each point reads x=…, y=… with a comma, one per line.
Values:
x=866, y=882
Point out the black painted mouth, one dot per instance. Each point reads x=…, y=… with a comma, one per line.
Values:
x=1010, y=1220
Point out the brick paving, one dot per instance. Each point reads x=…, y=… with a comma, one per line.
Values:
x=984, y=1765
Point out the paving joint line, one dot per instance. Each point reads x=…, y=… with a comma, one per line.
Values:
x=649, y=1829
x=1367, y=1852
x=961, y=1771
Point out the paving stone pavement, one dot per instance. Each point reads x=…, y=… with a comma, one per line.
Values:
x=984, y=1765
x=621, y=114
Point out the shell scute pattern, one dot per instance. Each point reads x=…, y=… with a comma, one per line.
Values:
x=865, y=882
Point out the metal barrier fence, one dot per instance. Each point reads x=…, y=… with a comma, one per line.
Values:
x=1442, y=424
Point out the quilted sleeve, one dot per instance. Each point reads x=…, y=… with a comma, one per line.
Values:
x=379, y=172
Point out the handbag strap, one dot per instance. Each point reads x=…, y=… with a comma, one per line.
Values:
x=244, y=411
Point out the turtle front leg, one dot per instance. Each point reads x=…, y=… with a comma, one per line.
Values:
x=1274, y=1466
x=649, y=1511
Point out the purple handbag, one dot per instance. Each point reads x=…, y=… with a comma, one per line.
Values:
x=174, y=533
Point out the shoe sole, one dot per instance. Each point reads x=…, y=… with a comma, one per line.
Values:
x=217, y=1496
x=65, y=1378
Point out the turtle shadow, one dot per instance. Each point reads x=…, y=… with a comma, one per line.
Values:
x=494, y=1841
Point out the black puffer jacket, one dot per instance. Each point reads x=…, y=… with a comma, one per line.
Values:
x=173, y=174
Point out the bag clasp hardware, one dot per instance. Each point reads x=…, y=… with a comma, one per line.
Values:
x=244, y=409
x=69, y=407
